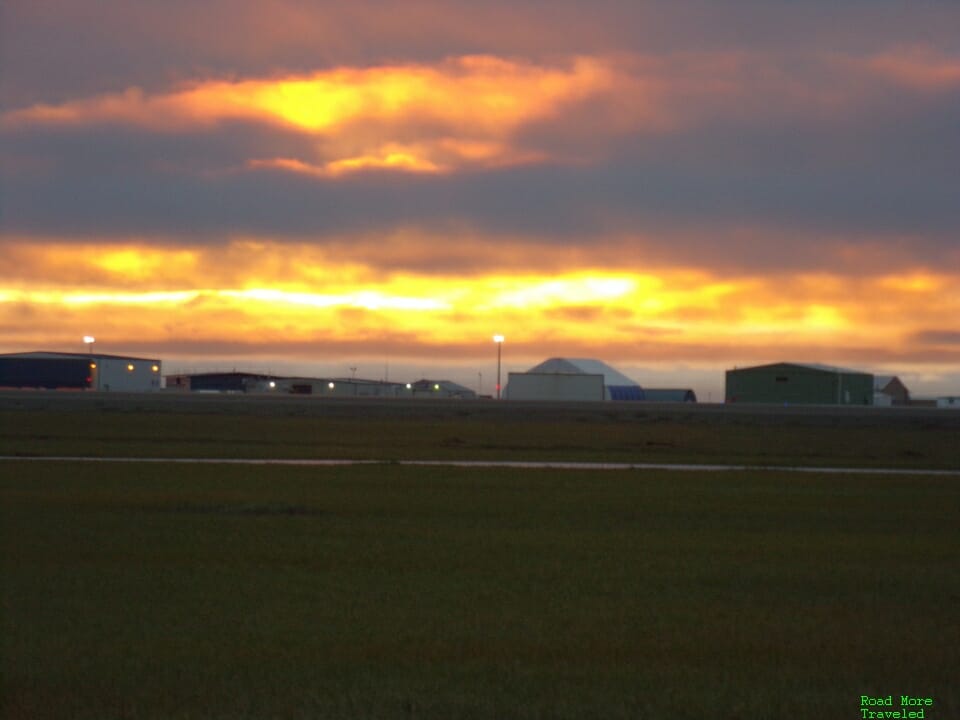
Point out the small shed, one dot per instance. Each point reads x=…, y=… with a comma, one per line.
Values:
x=889, y=390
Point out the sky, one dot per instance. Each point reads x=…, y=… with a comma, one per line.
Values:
x=675, y=187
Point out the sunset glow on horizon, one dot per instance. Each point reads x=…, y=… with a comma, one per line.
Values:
x=164, y=297
x=705, y=202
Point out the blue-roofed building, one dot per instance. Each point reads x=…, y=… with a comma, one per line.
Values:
x=681, y=395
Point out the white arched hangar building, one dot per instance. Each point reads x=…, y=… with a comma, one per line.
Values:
x=572, y=379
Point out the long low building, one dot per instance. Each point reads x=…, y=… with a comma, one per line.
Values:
x=338, y=387
x=672, y=395
x=554, y=386
x=79, y=371
x=329, y=387
x=221, y=382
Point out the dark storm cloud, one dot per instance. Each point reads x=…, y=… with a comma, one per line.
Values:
x=117, y=151
x=882, y=178
x=706, y=180
x=54, y=50
x=775, y=141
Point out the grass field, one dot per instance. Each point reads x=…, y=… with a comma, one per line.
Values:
x=154, y=591
x=291, y=427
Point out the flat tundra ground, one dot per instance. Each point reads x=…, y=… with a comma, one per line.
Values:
x=135, y=590
x=184, y=425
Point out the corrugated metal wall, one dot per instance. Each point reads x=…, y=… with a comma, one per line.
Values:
x=783, y=383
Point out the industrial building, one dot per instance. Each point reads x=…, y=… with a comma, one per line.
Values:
x=244, y=382
x=448, y=389
x=799, y=384
x=223, y=382
x=572, y=379
x=247, y=382
x=330, y=387
x=554, y=386
x=79, y=371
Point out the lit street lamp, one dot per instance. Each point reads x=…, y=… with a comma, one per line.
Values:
x=89, y=340
x=498, y=339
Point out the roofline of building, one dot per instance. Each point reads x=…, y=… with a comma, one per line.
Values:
x=31, y=355
x=807, y=366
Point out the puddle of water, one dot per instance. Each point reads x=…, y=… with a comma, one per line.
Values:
x=519, y=464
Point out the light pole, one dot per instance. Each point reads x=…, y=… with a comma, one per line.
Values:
x=89, y=340
x=498, y=339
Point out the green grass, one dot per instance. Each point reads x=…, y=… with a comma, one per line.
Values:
x=261, y=428
x=170, y=591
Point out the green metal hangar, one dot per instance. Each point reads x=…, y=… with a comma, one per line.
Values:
x=79, y=371
x=801, y=384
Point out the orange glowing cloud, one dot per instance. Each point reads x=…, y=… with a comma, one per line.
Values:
x=305, y=296
x=478, y=92
x=483, y=111
x=416, y=118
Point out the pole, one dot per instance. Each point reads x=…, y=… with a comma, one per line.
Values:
x=499, y=346
x=94, y=367
x=498, y=339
